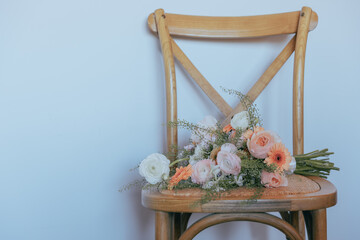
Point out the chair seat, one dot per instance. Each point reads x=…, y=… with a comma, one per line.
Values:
x=302, y=193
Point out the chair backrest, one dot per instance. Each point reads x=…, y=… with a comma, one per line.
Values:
x=298, y=23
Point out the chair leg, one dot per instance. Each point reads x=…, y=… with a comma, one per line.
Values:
x=164, y=225
x=177, y=225
x=316, y=224
x=309, y=224
x=298, y=222
x=180, y=224
x=319, y=229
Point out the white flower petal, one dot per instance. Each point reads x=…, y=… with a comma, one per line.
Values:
x=154, y=168
x=240, y=120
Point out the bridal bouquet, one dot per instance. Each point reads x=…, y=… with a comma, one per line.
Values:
x=242, y=153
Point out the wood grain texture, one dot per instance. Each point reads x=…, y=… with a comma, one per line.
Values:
x=325, y=197
x=232, y=27
x=264, y=218
x=201, y=81
x=265, y=78
x=309, y=224
x=170, y=80
x=298, y=82
x=163, y=225
x=319, y=229
x=298, y=222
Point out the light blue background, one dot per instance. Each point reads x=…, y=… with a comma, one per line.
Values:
x=81, y=102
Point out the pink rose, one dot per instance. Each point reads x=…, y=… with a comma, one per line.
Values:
x=273, y=179
x=261, y=142
x=202, y=171
x=229, y=163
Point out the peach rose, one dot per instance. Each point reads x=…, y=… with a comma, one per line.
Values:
x=202, y=171
x=248, y=133
x=229, y=163
x=261, y=142
x=272, y=180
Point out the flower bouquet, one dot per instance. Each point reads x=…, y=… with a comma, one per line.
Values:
x=241, y=154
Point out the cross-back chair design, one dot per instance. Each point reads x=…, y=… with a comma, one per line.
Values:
x=305, y=200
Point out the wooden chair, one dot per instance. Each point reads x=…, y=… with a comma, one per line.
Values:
x=304, y=198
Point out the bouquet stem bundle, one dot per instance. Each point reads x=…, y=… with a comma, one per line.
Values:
x=315, y=163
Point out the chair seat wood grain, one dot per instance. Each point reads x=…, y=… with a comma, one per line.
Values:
x=302, y=194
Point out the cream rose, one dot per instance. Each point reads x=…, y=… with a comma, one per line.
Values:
x=240, y=120
x=155, y=168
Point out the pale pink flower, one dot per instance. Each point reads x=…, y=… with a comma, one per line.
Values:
x=272, y=180
x=229, y=147
x=202, y=171
x=261, y=142
x=229, y=163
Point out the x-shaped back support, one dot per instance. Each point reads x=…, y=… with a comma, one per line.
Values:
x=299, y=23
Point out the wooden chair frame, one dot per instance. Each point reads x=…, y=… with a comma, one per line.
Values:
x=172, y=213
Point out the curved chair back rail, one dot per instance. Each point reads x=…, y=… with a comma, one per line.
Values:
x=232, y=27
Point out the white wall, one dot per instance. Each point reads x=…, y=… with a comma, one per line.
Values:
x=82, y=101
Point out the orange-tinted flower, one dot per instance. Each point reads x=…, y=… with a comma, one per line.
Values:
x=248, y=134
x=258, y=129
x=182, y=173
x=228, y=128
x=280, y=156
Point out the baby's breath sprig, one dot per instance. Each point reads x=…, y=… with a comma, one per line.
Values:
x=188, y=125
x=254, y=115
x=138, y=183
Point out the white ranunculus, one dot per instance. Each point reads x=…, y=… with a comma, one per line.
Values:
x=292, y=166
x=229, y=147
x=154, y=168
x=240, y=120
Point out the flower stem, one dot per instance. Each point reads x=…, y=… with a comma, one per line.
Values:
x=315, y=163
x=177, y=161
